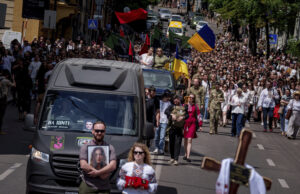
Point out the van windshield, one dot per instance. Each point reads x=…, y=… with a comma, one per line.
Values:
x=158, y=80
x=77, y=111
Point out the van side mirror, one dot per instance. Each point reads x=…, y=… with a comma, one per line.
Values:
x=149, y=130
x=29, y=123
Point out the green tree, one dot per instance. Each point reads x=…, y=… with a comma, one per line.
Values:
x=293, y=48
x=256, y=14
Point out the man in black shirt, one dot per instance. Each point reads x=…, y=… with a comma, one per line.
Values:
x=152, y=108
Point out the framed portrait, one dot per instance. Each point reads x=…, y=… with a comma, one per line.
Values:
x=98, y=156
x=88, y=124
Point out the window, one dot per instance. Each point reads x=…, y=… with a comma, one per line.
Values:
x=69, y=111
x=158, y=80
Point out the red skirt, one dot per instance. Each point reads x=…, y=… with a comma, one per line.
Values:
x=275, y=113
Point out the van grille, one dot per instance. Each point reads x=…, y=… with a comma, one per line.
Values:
x=65, y=165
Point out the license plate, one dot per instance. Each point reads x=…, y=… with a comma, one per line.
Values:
x=71, y=192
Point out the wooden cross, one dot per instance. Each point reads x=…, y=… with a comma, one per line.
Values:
x=240, y=157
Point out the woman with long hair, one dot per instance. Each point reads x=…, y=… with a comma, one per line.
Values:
x=98, y=159
x=190, y=127
x=137, y=175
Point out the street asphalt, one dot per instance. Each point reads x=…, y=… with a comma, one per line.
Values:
x=271, y=154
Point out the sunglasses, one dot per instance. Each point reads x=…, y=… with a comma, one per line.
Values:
x=99, y=131
x=136, y=152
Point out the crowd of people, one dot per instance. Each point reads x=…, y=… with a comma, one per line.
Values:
x=26, y=68
x=226, y=84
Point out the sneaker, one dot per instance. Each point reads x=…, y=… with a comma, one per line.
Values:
x=262, y=124
x=155, y=151
x=160, y=152
x=188, y=160
x=171, y=161
x=175, y=163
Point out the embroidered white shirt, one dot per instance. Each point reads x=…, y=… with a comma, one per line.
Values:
x=147, y=173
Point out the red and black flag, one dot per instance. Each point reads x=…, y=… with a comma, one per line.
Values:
x=146, y=45
x=136, y=19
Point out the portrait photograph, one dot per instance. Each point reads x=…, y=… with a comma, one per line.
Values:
x=88, y=124
x=98, y=156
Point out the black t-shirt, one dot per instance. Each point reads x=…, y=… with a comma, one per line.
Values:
x=152, y=105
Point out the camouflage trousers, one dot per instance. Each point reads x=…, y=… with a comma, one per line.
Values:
x=214, y=120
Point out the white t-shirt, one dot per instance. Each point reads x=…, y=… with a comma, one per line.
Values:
x=147, y=59
x=293, y=73
x=163, y=106
x=204, y=84
x=33, y=68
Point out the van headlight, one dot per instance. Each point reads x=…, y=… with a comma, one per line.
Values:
x=38, y=155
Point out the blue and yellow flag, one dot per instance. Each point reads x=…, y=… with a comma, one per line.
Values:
x=180, y=66
x=203, y=40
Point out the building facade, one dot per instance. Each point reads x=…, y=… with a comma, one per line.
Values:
x=71, y=19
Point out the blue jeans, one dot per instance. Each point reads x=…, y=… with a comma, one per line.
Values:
x=237, y=124
x=266, y=112
x=282, y=119
x=206, y=100
x=160, y=136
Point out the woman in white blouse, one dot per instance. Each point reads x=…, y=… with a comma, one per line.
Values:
x=147, y=58
x=294, y=121
x=137, y=175
x=225, y=105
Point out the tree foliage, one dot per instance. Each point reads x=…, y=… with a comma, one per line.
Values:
x=276, y=14
x=293, y=48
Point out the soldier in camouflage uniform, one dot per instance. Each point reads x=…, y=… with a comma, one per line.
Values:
x=177, y=115
x=215, y=100
x=199, y=91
